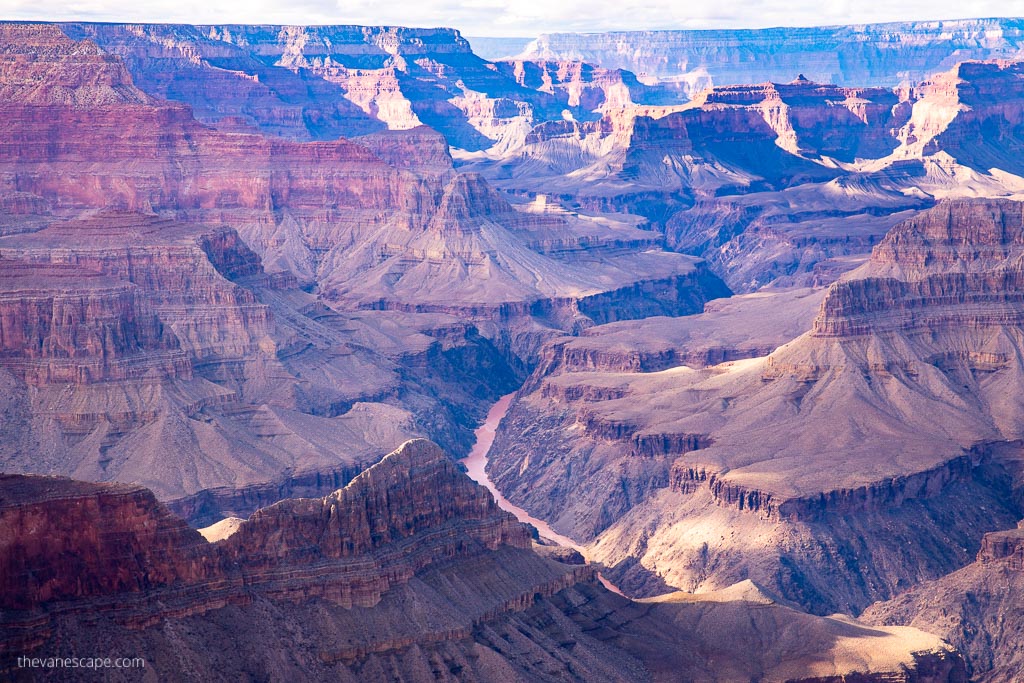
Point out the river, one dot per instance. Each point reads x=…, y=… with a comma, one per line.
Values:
x=476, y=465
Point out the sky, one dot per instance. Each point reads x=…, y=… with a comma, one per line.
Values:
x=523, y=18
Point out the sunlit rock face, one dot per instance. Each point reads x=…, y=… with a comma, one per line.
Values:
x=410, y=565
x=690, y=468
x=322, y=82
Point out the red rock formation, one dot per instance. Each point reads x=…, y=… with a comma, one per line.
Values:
x=410, y=510
x=59, y=325
x=410, y=563
x=62, y=539
x=139, y=278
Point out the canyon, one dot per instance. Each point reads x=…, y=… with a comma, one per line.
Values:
x=703, y=467
x=729, y=328
x=410, y=570
x=175, y=276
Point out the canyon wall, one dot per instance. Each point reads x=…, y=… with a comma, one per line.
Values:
x=278, y=310
x=871, y=54
x=977, y=608
x=410, y=570
x=906, y=376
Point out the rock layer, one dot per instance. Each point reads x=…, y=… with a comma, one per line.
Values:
x=872, y=54
x=906, y=376
x=978, y=608
x=278, y=310
x=411, y=570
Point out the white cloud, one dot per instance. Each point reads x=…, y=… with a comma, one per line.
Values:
x=519, y=18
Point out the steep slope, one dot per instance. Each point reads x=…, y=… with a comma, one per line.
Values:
x=977, y=607
x=411, y=571
x=701, y=477
x=134, y=319
x=322, y=82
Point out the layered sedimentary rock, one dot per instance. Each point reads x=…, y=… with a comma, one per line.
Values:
x=411, y=570
x=906, y=375
x=473, y=257
x=125, y=333
x=772, y=182
x=360, y=531
x=953, y=107
x=65, y=539
x=734, y=328
x=597, y=137
x=164, y=269
x=728, y=140
x=953, y=136
x=763, y=135
x=785, y=181
x=872, y=54
x=323, y=220
x=815, y=119
x=978, y=608
x=322, y=82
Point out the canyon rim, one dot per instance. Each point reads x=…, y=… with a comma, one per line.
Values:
x=359, y=351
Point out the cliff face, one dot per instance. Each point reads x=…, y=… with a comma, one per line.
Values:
x=410, y=570
x=977, y=608
x=815, y=119
x=174, y=328
x=64, y=539
x=873, y=54
x=58, y=326
x=735, y=143
x=322, y=82
x=356, y=541
x=973, y=112
x=953, y=265
x=908, y=371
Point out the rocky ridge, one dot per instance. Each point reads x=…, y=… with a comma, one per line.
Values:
x=164, y=269
x=919, y=377
x=413, y=492
x=411, y=568
x=976, y=607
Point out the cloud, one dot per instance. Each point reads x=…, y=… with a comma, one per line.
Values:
x=507, y=18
